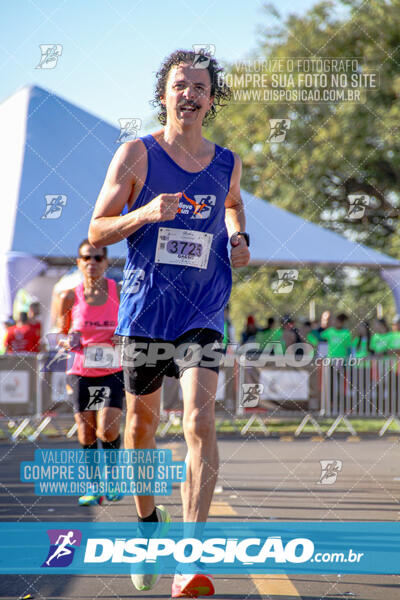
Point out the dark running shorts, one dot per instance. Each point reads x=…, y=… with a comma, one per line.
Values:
x=144, y=371
x=95, y=393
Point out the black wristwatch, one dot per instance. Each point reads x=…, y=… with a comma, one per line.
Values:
x=244, y=234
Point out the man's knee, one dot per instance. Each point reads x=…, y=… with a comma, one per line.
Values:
x=86, y=433
x=199, y=424
x=107, y=434
x=140, y=429
x=86, y=436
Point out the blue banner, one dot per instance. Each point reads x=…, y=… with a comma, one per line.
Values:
x=79, y=472
x=220, y=548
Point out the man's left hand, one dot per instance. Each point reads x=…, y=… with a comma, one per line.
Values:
x=240, y=254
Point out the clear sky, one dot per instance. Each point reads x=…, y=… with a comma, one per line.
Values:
x=112, y=48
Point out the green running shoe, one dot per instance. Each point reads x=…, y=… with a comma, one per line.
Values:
x=114, y=497
x=90, y=500
x=146, y=581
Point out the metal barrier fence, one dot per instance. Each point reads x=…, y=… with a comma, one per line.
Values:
x=370, y=388
x=18, y=392
x=277, y=391
x=32, y=396
x=362, y=388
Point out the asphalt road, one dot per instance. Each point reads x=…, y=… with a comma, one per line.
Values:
x=260, y=480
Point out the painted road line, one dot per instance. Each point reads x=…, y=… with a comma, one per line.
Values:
x=267, y=585
x=219, y=508
x=274, y=585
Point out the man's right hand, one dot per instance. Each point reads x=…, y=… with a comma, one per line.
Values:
x=162, y=208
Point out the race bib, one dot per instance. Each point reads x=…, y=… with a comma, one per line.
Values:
x=101, y=356
x=183, y=247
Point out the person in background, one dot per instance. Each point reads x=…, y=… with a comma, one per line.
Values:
x=87, y=317
x=316, y=330
x=33, y=317
x=394, y=336
x=290, y=333
x=290, y=336
x=269, y=335
x=22, y=337
x=338, y=338
x=250, y=332
x=361, y=345
x=325, y=321
x=229, y=332
x=380, y=341
x=6, y=325
x=308, y=334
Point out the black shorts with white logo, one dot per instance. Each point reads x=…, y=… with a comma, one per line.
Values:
x=145, y=360
x=95, y=393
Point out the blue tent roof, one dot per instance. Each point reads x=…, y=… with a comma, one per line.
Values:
x=54, y=148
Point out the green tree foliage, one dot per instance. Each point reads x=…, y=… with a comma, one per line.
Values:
x=331, y=150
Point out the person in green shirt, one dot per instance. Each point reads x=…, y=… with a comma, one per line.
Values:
x=380, y=341
x=338, y=338
x=361, y=345
x=308, y=334
x=229, y=333
x=270, y=335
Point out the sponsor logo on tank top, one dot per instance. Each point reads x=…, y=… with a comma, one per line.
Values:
x=100, y=323
x=199, y=208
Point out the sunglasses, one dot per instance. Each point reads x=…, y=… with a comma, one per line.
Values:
x=87, y=257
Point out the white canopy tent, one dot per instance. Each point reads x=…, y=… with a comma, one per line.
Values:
x=54, y=157
x=283, y=238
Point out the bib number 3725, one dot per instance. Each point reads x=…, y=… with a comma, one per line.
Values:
x=183, y=247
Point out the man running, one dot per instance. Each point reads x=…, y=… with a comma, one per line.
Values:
x=183, y=198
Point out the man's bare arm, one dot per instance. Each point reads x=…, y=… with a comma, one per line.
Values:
x=127, y=169
x=107, y=225
x=235, y=219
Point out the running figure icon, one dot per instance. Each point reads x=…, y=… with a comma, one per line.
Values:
x=62, y=549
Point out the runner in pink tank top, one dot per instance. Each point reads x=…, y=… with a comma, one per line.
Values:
x=96, y=326
x=89, y=314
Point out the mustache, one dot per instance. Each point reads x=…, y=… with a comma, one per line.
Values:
x=189, y=103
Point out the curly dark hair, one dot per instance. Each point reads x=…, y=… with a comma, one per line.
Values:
x=219, y=90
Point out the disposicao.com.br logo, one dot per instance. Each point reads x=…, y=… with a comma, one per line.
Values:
x=210, y=551
x=223, y=548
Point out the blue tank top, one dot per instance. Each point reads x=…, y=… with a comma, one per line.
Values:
x=163, y=300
